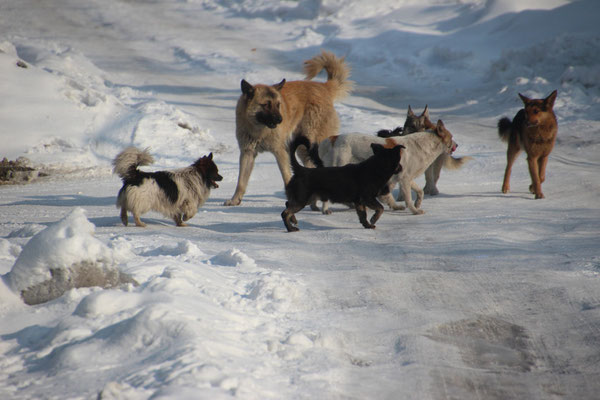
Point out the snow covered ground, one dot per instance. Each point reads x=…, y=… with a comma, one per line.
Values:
x=485, y=296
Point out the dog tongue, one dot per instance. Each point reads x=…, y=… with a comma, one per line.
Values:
x=454, y=148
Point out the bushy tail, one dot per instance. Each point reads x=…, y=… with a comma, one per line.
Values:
x=504, y=128
x=456, y=163
x=126, y=162
x=338, y=72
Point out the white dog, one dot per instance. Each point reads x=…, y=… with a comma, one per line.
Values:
x=422, y=148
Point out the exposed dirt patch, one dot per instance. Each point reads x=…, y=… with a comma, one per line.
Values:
x=18, y=172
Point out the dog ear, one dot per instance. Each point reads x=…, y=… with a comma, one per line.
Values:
x=376, y=147
x=279, y=86
x=410, y=112
x=549, y=101
x=210, y=157
x=440, y=129
x=524, y=99
x=247, y=89
x=426, y=112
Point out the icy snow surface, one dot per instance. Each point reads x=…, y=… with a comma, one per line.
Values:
x=485, y=296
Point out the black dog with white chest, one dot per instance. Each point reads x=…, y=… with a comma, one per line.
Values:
x=358, y=184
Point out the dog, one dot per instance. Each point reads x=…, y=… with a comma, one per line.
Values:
x=268, y=116
x=533, y=128
x=359, y=184
x=422, y=148
x=176, y=194
x=412, y=124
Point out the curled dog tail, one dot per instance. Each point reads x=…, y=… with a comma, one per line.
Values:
x=126, y=163
x=504, y=128
x=456, y=163
x=338, y=72
x=298, y=141
x=313, y=153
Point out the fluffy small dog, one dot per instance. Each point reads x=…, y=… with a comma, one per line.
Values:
x=176, y=194
x=533, y=127
x=267, y=116
x=359, y=184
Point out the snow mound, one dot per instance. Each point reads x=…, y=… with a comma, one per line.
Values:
x=233, y=258
x=61, y=257
x=184, y=248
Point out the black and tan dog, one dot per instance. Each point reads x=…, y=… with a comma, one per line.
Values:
x=534, y=128
x=357, y=184
x=267, y=117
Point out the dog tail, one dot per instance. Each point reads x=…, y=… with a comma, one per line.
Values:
x=126, y=163
x=298, y=141
x=456, y=163
x=504, y=128
x=338, y=72
x=313, y=153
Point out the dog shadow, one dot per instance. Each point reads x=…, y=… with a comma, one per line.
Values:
x=67, y=200
x=498, y=195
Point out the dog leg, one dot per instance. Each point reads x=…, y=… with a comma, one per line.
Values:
x=289, y=219
x=543, y=161
x=124, y=216
x=511, y=154
x=375, y=205
x=178, y=220
x=247, y=158
x=432, y=174
x=362, y=216
x=283, y=162
x=389, y=200
x=420, y=194
x=406, y=188
x=325, y=209
x=138, y=221
x=534, y=170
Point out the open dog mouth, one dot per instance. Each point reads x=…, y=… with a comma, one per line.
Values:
x=213, y=182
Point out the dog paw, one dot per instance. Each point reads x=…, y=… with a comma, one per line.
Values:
x=431, y=191
x=418, y=211
x=397, y=207
x=327, y=212
x=292, y=229
x=232, y=202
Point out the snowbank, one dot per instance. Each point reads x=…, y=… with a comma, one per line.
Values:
x=65, y=255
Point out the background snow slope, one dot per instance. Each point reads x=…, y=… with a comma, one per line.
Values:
x=485, y=296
